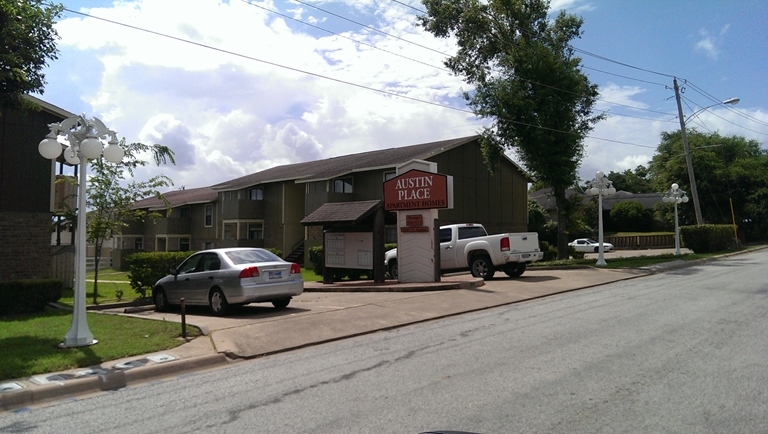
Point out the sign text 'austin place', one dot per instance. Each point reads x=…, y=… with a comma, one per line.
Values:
x=416, y=189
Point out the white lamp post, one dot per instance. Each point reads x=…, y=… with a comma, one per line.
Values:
x=675, y=195
x=601, y=186
x=84, y=138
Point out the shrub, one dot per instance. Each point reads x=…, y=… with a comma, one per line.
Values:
x=631, y=216
x=550, y=252
x=707, y=238
x=146, y=268
x=27, y=296
x=573, y=253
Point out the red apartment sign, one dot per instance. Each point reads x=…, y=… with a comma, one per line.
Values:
x=416, y=189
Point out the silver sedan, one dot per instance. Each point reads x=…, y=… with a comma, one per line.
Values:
x=219, y=278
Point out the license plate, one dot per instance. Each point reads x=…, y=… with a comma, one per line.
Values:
x=276, y=274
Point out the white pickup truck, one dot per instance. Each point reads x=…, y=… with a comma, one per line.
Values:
x=469, y=246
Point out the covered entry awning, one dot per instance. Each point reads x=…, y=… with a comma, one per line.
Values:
x=344, y=213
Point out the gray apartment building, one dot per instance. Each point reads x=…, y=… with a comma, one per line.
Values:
x=265, y=209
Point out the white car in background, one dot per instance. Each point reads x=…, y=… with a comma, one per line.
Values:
x=588, y=245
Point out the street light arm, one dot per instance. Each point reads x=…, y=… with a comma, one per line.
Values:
x=729, y=101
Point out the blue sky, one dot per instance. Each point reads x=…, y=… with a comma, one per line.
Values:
x=217, y=96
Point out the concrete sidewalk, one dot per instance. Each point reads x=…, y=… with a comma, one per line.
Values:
x=324, y=313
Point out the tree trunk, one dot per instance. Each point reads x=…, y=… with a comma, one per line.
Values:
x=562, y=223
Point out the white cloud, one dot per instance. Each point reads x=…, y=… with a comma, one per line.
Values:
x=709, y=44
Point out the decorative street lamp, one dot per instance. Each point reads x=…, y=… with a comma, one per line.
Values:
x=684, y=136
x=601, y=186
x=84, y=139
x=675, y=195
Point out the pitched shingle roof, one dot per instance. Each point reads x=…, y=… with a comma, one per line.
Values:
x=315, y=171
x=179, y=197
x=342, y=212
x=339, y=166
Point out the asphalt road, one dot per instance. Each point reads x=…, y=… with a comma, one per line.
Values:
x=683, y=351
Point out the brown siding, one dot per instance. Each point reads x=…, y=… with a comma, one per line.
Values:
x=30, y=256
x=22, y=165
x=498, y=200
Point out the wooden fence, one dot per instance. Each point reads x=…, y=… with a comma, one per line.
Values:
x=636, y=242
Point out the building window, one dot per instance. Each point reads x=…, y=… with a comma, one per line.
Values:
x=256, y=193
x=255, y=231
x=207, y=245
x=342, y=185
x=230, y=230
x=208, y=215
x=389, y=175
x=138, y=243
x=184, y=212
x=228, y=195
x=184, y=244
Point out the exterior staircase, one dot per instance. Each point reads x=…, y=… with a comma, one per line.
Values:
x=297, y=253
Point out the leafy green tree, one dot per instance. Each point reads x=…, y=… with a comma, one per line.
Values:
x=110, y=200
x=731, y=174
x=637, y=181
x=526, y=78
x=27, y=42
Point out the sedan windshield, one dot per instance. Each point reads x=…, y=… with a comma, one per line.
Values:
x=251, y=256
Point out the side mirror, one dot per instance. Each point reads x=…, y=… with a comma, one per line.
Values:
x=174, y=271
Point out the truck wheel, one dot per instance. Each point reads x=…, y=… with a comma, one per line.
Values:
x=514, y=270
x=481, y=266
x=393, y=269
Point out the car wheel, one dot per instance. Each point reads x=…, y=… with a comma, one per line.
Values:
x=281, y=303
x=161, y=300
x=481, y=266
x=597, y=249
x=393, y=269
x=217, y=302
x=514, y=270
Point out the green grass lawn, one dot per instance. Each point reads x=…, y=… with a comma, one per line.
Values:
x=30, y=342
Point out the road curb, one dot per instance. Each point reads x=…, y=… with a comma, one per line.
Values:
x=33, y=394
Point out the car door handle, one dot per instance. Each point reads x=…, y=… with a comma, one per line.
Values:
x=448, y=248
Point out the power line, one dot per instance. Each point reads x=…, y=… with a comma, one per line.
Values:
x=342, y=36
x=385, y=92
x=369, y=27
x=727, y=106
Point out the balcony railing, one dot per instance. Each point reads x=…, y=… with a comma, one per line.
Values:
x=172, y=225
x=242, y=209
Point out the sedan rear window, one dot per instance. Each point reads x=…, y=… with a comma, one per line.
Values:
x=251, y=256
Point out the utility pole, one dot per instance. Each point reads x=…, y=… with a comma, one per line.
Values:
x=688, y=162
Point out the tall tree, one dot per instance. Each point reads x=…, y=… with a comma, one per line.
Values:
x=731, y=173
x=27, y=42
x=527, y=80
x=110, y=199
x=637, y=181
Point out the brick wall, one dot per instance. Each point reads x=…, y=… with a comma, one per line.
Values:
x=25, y=245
